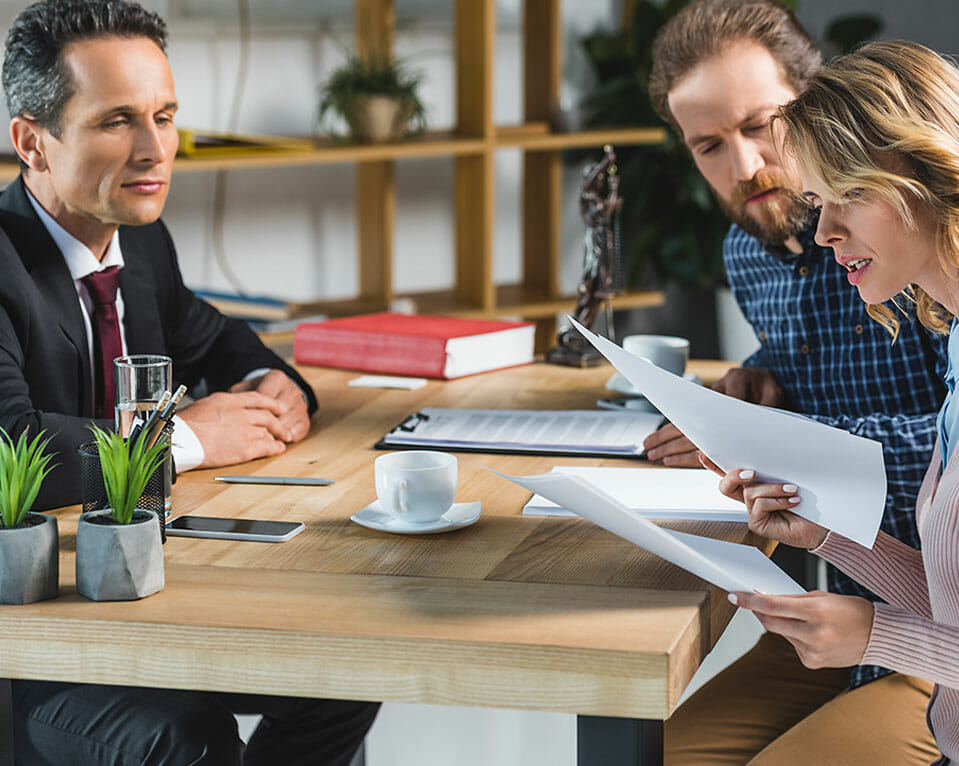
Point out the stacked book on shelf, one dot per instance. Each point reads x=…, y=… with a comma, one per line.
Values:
x=273, y=319
x=205, y=143
x=254, y=308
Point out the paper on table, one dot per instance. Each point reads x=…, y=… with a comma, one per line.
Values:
x=841, y=477
x=730, y=566
x=655, y=493
x=388, y=381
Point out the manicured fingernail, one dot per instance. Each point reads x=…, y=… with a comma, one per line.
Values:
x=747, y=475
x=794, y=500
x=790, y=488
x=733, y=598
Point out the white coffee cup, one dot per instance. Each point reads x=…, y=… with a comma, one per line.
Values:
x=666, y=351
x=417, y=486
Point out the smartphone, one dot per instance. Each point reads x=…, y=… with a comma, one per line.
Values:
x=258, y=530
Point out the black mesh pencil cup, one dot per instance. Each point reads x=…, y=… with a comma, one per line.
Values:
x=93, y=494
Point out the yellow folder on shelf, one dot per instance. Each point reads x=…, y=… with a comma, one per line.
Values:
x=205, y=143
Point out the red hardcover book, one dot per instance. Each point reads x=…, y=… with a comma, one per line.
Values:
x=414, y=344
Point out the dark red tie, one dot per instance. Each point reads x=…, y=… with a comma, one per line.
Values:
x=102, y=286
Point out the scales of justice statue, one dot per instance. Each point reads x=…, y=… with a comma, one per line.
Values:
x=599, y=205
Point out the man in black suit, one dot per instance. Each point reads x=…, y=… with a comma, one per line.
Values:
x=96, y=172
x=92, y=102
x=47, y=376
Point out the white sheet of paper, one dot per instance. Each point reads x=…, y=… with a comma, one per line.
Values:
x=730, y=566
x=654, y=493
x=841, y=477
x=388, y=381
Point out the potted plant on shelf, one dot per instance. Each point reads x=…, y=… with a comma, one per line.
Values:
x=376, y=97
x=29, y=555
x=119, y=555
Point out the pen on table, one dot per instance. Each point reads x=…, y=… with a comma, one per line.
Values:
x=299, y=480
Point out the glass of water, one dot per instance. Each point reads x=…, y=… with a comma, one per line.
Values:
x=139, y=380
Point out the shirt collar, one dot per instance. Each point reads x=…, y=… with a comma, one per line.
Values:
x=953, y=354
x=79, y=258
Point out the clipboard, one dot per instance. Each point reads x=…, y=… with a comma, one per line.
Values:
x=565, y=433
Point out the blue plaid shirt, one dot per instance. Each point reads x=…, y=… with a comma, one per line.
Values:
x=837, y=365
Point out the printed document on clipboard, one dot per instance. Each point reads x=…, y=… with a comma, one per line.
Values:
x=543, y=432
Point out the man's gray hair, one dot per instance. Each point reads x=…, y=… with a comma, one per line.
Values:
x=36, y=82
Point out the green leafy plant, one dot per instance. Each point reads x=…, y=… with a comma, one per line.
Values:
x=377, y=75
x=24, y=465
x=126, y=470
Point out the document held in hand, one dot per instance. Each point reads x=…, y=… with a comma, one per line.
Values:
x=841, y=477
x=730, y=566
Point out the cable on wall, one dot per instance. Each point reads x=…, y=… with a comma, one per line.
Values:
x=219, y=180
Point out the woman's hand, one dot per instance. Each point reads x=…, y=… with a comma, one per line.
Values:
x=826, y=629
x=769, y=507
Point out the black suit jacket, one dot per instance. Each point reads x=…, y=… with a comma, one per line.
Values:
x=45, y=377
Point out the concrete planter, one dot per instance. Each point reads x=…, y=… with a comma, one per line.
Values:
x=29, y=560
x=119, y=562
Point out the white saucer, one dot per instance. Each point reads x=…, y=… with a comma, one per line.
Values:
x=620, y=385
x=459, y=516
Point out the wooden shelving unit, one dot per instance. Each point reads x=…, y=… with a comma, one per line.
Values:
x=472, y=144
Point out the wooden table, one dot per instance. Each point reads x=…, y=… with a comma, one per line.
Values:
x=521, y=612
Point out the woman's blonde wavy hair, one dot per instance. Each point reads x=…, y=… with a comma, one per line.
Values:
x=891, y=104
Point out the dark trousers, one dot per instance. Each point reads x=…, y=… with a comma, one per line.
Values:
x=80, y=724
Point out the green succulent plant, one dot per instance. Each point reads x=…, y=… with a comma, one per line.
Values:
x=126, y=470
x=376, y=75
x=24, y=465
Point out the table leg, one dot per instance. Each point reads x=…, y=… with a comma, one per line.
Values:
x=6, y=722
x=618, y=741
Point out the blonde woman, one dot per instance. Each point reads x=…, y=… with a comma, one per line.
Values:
x=876, y=141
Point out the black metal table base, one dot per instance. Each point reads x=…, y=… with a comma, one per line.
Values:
x=618, y=741
x=6, y=722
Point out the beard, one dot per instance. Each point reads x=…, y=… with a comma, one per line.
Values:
x=773, y=221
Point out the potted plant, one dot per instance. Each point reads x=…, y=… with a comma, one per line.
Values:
x=376, y=97
x=119, y=555
x=29, y=555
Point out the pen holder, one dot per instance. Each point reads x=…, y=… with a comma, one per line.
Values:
x=157, y=496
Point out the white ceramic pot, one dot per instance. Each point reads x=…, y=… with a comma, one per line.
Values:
x=29, y=560
x=119, y=562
